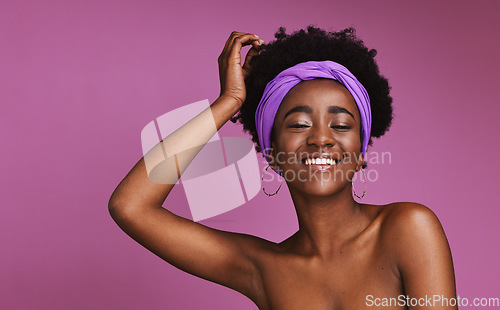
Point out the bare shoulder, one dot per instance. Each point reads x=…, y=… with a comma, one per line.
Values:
x=407, y=228
x=406, y=219
x=400, y=218
x=416, y=245
x=413, y=234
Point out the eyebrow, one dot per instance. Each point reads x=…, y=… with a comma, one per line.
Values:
x=307, y=109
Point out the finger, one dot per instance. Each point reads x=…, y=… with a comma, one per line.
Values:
x=246, y=64
x=233, y=36
x=239, y=42
x=229, y=42
x=257, y=44
x=252, y=52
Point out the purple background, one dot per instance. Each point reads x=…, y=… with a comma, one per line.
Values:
x=80, y=79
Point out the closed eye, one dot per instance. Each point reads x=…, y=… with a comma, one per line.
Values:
x=341, y=127
x=298, y=126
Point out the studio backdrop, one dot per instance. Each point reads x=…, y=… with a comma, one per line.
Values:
x=81, y=80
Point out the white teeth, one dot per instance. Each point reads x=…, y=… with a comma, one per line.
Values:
x=320, y=161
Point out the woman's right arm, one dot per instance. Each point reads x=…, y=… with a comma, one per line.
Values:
x=136, y=204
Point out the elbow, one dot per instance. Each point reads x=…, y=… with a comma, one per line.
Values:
x=113, y=208
x=116, y=208
x=121, y=210
x=119, y=213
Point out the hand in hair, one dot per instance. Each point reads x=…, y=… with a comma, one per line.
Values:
x=232, y=74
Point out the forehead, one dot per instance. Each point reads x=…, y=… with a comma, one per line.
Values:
x=318, y=94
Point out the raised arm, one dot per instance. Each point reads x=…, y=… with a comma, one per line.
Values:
x=136, y=204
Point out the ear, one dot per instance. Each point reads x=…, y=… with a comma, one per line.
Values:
x=272, y=157
x=360, y=161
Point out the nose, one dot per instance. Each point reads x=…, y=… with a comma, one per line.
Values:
x=320, y=136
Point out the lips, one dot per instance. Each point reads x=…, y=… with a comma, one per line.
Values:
x=320, y=159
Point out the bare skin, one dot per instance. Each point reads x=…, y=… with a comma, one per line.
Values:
x=343, y=251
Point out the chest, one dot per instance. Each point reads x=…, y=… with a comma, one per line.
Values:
x=346, y=281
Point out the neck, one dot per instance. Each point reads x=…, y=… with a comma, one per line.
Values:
x=326, y=222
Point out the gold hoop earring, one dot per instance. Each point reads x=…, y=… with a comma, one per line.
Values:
x=262, y=185
x=364, y=190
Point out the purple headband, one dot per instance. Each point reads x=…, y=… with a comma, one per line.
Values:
x=276, y=90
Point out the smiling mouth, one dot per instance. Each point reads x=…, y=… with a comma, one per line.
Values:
x=321, y=163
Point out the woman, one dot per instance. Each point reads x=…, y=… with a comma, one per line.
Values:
x=312, y=101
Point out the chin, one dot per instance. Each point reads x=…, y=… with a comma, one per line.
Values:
x=322, y=191
x=318, y=187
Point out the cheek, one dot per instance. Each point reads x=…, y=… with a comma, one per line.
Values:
x=285, y=148
x=284, y=140
x=351, y=141
x=350, y=145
